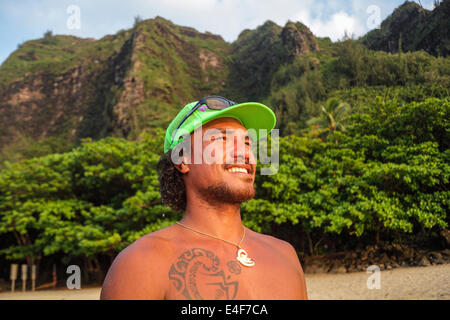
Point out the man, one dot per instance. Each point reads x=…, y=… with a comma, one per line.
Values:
x=209, y=254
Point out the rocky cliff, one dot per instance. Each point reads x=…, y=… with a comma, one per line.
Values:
x=257, y=55
x=72, y=88
x=78, y=88
x=58, y=90
x=411, y=27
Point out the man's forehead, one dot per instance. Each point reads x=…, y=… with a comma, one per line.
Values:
x=224, y=123
x=213, y=132
x=225, y=126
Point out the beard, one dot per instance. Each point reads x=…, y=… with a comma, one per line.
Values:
x=221, y=192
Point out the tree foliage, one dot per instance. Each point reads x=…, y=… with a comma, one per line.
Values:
x=388, y=173
x=94, y=200
x=377, y=164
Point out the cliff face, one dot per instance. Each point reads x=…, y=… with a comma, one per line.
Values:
x=169, y=66
x=54, y=91
x=77, y=88
x=257, y=55
x=67, y=88
x=411, y=28
x=41, y=103
x=298, y=39
x=71, y=88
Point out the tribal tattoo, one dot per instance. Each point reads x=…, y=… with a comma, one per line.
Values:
x=197, y=274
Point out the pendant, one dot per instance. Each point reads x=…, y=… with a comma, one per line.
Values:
x=242, y=257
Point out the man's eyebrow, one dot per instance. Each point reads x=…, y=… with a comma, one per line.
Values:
x=225, y=130
x=221, y=130
x=231, y=131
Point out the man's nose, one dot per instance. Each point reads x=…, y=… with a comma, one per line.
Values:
x=241, y=152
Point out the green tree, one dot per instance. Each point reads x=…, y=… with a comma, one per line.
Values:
x=87, y=203
x=332, y=118
x=387, y=177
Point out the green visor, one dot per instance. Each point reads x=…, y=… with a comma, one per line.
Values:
x=252, y=115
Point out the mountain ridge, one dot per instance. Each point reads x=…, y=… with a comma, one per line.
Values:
x=58, y=90
x=117, y=84
x=411, y=28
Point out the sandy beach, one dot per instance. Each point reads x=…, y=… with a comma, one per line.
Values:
x=422, y=283
x=405, y=283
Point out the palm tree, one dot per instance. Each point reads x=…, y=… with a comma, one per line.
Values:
x=332, y=117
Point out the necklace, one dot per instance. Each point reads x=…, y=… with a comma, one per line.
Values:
x=242, y=255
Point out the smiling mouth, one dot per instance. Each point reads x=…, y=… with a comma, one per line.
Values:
x=237, y=170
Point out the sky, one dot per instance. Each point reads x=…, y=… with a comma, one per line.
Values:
x=25, y=20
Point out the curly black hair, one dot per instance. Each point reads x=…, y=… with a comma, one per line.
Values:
x=171, y=183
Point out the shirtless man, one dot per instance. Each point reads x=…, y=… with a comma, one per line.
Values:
x=209, y=254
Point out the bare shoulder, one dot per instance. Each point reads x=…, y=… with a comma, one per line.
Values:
x=136, y=271
x=281, y=247
x=273, y=242
x=288, y=254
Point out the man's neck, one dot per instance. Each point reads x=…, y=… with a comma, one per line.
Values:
x=220, y=220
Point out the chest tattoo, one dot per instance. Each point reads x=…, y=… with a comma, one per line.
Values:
x=198, y=274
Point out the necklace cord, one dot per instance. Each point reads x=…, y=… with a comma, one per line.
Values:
x=209, y=235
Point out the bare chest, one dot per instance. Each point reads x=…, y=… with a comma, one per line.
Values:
x=199, y=273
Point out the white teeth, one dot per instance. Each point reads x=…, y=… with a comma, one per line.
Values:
x=235, y=169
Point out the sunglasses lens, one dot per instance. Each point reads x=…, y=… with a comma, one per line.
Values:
x=212, y=102
x=217, y=103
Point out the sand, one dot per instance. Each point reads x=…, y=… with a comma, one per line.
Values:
x=405, y=283
x=429, y=283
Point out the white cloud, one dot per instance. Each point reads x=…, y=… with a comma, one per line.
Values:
x=334, y=27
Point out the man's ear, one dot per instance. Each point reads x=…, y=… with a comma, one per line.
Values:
x=182, y=167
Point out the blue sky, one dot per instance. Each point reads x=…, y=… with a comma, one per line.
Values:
x=22, y=20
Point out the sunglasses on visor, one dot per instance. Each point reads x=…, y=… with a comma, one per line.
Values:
x=205, y=103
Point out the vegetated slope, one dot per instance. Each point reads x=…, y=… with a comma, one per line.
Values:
x=411, y=28
x=257, y=55
x=58, y=90
x=67, y=88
